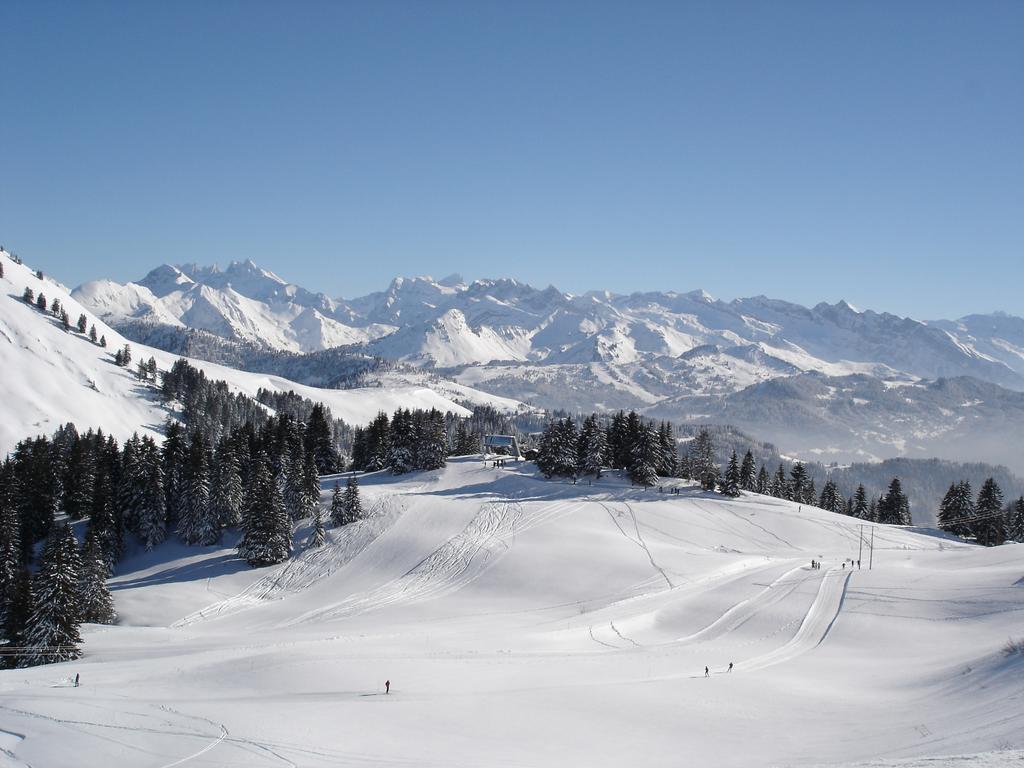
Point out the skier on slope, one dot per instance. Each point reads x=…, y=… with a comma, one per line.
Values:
x=707, y=672
x=387, y=686
x=730, y=666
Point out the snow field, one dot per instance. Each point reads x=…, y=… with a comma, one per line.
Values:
x=525, y=622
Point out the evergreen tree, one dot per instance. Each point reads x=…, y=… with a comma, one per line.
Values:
x=830, y=499
x=798, y=483
x=592, y=448
x=557, y=454
x=41, y=302
x=198, y=524
x=51, y=632
x=748, y=480
x=28, y=296
x=92, y=334
x=618, y=443
x=894, y=509
x=152, y=514
x=319, y=442
x=860, y=503
x=1015, y=524
x=103, y=341
x=466, y=443
x=646, y=455
x=65, y=321
x=780, y=486
x=948, y=512
x=989, y=527
x=431, y=437
x=351, y=503
x=226, y=496
x=337, y=506
x=702, y=458
x=873, y=510
x=319, y=535
x=83, y=323
x=10, y=557
x=764, y=484
x=266, y=537
x=18, y=609
x=667, y=456
x=731, y=478
x=175, y=455
x=95, y=603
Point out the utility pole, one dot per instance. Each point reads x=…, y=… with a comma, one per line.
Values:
x=871, y=560
x=860, y=545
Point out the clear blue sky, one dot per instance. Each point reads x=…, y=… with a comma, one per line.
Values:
x=872, y=151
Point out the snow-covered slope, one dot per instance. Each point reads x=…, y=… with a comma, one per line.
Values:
x=51, y=376
x=524, y=622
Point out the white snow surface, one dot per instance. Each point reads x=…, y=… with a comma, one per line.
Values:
x=532, y=622
x=50, y=377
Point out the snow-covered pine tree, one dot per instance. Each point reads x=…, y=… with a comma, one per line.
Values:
x=431, y=436
x=10, y=555
x=83, y=323
x=96, y=606
x=17, y=610
x=894, y=509
x=226, y=494
x=294, y=498
x=92, y=334
x=152, y=514
x=860, y=503
x=989, y=527
x=310, y=488
x=1015, y=524
x=198, y=524
x=175, y=456
x=103, y=341
x=29, y=296
x=401, y=458
x=747, y=469
x=646, y=454
x=668, y=459
x=466, y=443
x=266, y=537
x=318, y=439
x=65, y=321
x=337, y=505
x=830, y=499
x=702, y=460
x=798, y=483
x=318, y=537
x=129, y=484
x=41, y=302
x=51, y=632
x=764, y=483
x=352, y=505
x=780, y=486
x=948, y=510
x=592, y=447
x=731, y=479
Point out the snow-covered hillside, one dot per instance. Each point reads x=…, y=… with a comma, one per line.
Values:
x=524, y=622
x=51, y=376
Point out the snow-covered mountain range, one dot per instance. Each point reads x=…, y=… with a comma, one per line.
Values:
x=831, y=381
x=52, y=376
x=451, y=323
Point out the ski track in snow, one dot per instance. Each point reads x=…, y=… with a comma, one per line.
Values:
x=816, y=624
x=743, y=611
x=451, y=566
x=308, y=567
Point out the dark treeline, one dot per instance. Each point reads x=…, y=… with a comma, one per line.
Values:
x=407, y=441
x=647, y=450
x=984, y=519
